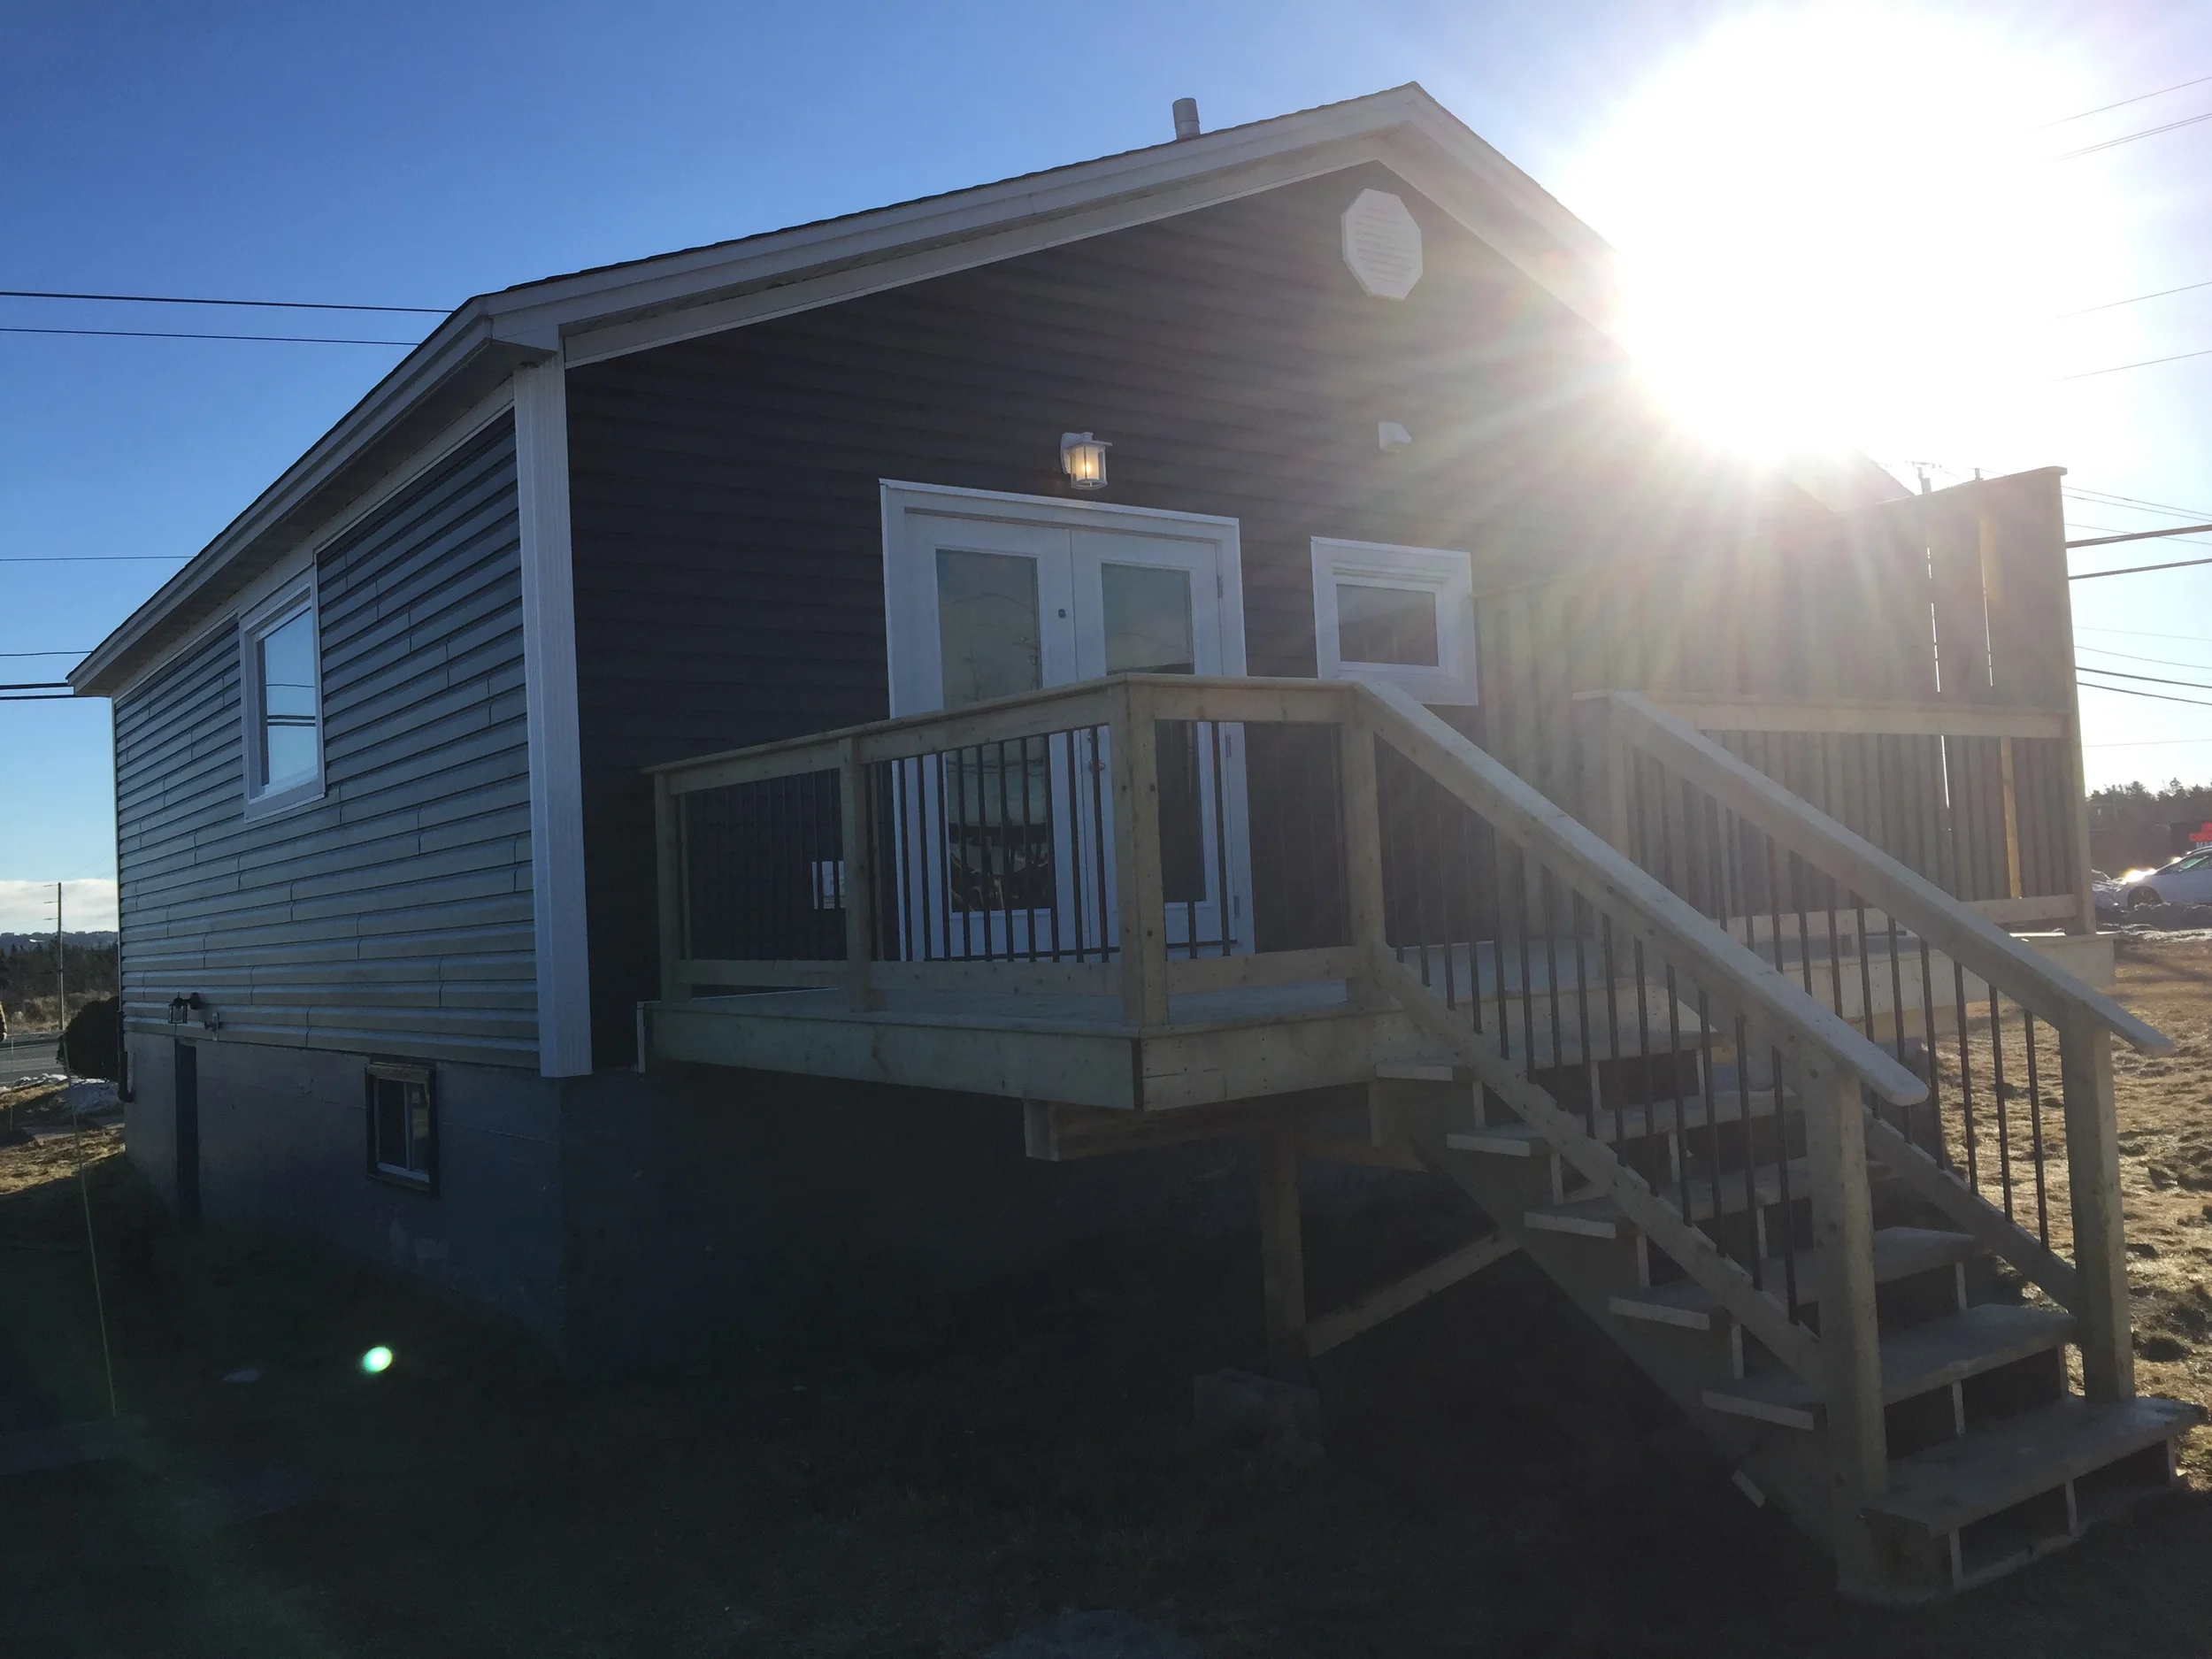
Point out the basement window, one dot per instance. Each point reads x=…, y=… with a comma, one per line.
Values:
x=1399, y=615
x=402, y=1125
x=280, y=677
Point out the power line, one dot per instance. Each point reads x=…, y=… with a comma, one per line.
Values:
x=2105, y=497
x=2137, y=535
x=164, y=334
x=37, y=696
x=2140, y=97
x=2155, y=696
x=2137, y=299
x=2129, y=138
x=2136, y=570
x=2120, y=673
x=2129, y=656
x=83, y=558
x=2139, y=633
x=2147, y=363
x=174, y=299
x=2152, y=742
x=36, y=685
x=84, y=653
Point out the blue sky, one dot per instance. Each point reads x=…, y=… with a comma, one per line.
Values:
x=415, y=155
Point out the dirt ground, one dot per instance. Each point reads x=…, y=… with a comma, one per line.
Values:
x=1498, y=1481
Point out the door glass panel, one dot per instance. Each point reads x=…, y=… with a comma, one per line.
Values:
x=1385, y=624
x=1147, y=617
x=998, y=826
x=988, y=629
x=287, y=700
x=1146, y=620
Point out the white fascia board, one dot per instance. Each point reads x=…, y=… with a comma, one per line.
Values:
x=249, y=589
x=595, y=299
x=456, y=340
x=820, y=265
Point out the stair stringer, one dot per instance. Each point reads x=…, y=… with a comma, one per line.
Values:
x=1790, y=1468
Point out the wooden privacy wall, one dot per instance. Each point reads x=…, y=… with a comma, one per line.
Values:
x=1954, y=604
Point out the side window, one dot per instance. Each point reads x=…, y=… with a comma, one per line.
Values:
x=280, y=672
x=404, y=1124
x=1400, y=616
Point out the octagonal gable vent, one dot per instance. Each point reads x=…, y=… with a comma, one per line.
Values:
x=1382, y=244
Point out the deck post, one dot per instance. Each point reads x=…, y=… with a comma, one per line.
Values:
x=668, y=852
x=1850, y=1331
x=2092, y=1172
x=1363, y=848
x=1282, y=1246
x=1140, y=893
x=859, y=881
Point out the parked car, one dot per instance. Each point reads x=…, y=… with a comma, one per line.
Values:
x=2187, y=880
x=2110, y=894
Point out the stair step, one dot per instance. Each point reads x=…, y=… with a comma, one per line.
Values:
x=1601, y=1217
x=1899, y=1253
x=1959, y=1482
x=1930, y=1355
x=1630, y=1122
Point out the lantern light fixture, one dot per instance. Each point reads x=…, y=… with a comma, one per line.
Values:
x=1083, y=458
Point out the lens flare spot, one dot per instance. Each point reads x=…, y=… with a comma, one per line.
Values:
x=377, y=1360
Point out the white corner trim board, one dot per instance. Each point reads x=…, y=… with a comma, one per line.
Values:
x=548, y=653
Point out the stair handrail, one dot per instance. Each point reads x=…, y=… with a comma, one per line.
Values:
x=1678, y=930
x=1969, y=938
x=1826, y=1059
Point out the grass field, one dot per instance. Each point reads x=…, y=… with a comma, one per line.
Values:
x=1498, y=1481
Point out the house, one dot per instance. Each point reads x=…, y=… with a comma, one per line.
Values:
x=771, y=759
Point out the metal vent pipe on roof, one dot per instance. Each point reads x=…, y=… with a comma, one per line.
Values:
x=1186, y=118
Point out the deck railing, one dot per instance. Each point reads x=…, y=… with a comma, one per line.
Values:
x=1999, y=1032
x=1713, y=972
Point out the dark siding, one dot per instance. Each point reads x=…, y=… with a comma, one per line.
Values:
x=728, y=547
x=394, y=915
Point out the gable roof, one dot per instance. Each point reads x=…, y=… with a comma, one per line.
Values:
x=611, y=310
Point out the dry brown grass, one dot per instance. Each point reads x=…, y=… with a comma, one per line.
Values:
x=1499, y=1480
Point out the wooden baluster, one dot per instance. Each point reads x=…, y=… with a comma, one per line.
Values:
x=859, y=883
x=1363, y=850
x=1850, y=1331
x=1140, y=893
x=2092, y=1172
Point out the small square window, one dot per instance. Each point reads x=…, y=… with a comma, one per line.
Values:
x=1396, y=616
x=281, y=702
x=404, y=1124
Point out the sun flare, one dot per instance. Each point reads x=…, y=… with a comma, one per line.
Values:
x=1840, y=227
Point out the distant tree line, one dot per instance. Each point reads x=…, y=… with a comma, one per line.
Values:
x=2131, y=803
x=31, y=975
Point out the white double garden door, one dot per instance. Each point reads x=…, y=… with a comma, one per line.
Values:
x=1008, y=848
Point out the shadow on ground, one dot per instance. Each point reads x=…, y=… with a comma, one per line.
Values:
x=1499, y=1482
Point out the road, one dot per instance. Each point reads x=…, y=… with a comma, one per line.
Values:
x=26, y=1053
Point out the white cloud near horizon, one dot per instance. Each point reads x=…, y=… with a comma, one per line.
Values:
x=28, y=907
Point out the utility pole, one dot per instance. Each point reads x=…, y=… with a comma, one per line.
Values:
x=61, y=986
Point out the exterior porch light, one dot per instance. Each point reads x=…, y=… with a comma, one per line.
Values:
x=1083, y=458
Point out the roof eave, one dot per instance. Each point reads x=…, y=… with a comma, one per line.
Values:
x=461, y=361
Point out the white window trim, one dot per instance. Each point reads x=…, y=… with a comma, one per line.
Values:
x=910, y=580
x=1442, y=571
x=281, y=607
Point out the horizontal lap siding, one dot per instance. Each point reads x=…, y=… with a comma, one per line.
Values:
x=728, y=547
x=394, y=915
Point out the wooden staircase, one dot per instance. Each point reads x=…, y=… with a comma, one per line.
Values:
x=1879, y=1350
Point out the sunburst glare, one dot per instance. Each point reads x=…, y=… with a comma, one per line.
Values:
x=1840, y=227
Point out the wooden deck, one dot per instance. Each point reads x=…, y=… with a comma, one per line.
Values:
x=1217, y=1046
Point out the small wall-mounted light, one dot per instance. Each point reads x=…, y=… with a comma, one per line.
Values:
x=181, y=1009
x=1083, y=458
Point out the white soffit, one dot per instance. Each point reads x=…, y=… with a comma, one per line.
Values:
x=1382, y=244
